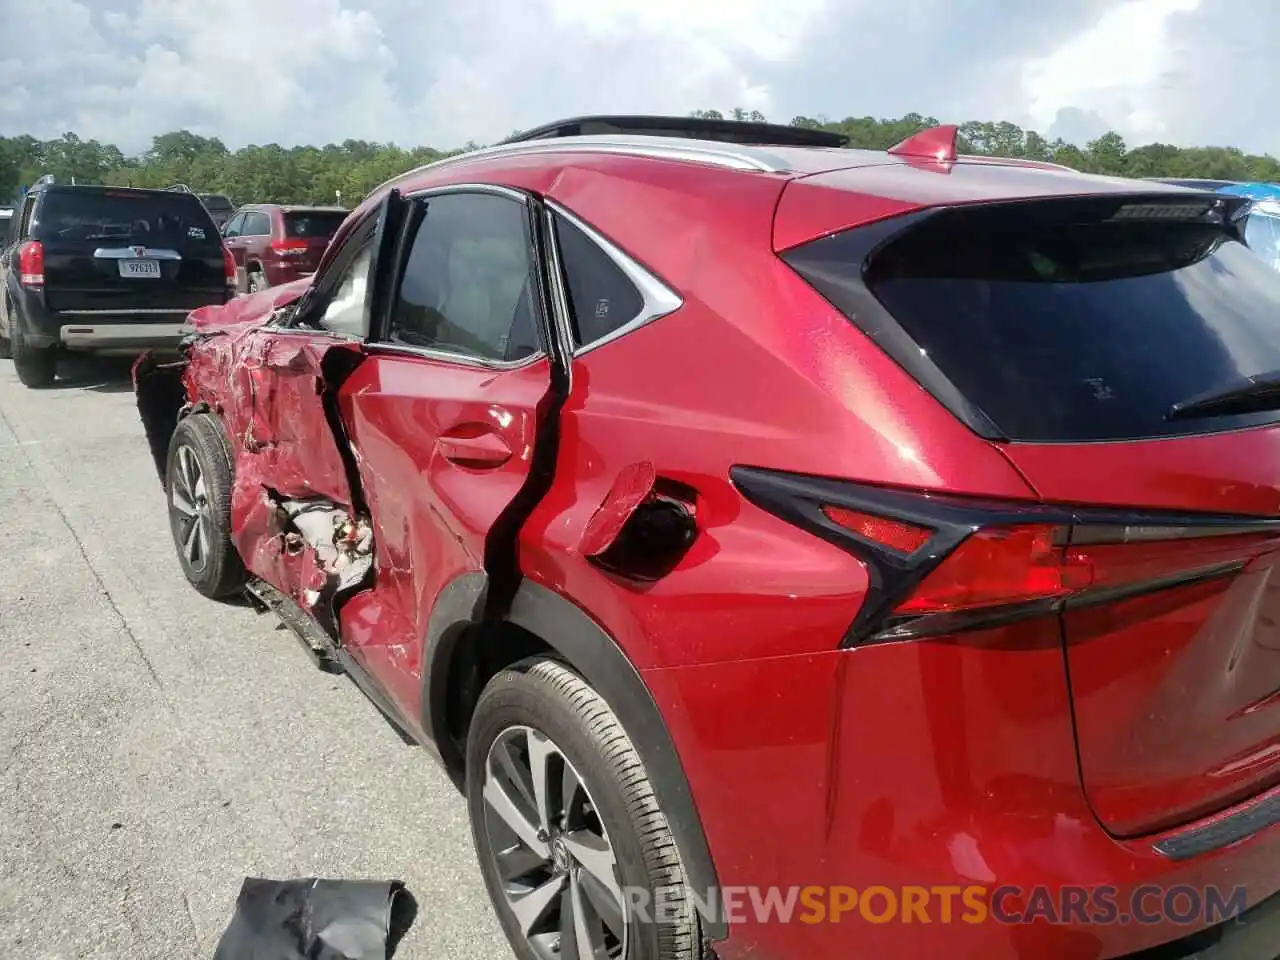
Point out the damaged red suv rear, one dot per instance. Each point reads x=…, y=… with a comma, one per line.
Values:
x=746, y=521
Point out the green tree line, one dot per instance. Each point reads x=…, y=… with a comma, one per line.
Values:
x=349, y=170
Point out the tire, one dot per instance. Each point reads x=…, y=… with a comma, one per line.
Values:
x=198, y=480
x=6, y=347
x=256, y=281
x=542, y=705
x=35, y=366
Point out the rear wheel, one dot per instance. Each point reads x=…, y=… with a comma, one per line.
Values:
x=198, y=478
x=257, y=281
x=6, y=348
x=578, y=859
x=35, y=366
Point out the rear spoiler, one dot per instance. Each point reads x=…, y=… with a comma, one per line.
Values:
x=699, y=128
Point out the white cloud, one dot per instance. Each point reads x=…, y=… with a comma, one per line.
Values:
x=452, y=70
x=1115, y=68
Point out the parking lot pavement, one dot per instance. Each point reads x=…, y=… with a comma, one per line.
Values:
x=156, y=747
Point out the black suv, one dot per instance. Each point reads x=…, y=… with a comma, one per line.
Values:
x=107, y=270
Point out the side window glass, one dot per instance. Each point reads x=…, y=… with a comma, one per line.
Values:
x=601, y=297
x=232, y=229
x=467, y=286
x=345, y=313
x=24, y=229
x=256, y=225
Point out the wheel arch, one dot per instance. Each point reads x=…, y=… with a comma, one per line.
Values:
x=562, y=629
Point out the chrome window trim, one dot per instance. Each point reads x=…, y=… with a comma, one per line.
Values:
x=659, y=300
x=446, y=356
x=127, y=253
x=733, y=157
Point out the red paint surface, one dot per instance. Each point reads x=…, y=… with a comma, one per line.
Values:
x=948, y=761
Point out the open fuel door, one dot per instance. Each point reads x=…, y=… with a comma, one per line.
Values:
x=299, y=515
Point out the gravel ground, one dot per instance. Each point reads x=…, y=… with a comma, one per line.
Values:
x=155, y=747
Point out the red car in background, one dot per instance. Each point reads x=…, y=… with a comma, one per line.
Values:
x=766, y=516
x=277, y=243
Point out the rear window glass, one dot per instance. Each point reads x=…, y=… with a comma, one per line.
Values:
x=155, y=219
x=1070, y=327
x=313, y=224
x=217, y=203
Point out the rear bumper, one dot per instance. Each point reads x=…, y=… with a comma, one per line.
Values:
x=123, y=330
x=281, y=272
x=910, y=770
x=132, y=334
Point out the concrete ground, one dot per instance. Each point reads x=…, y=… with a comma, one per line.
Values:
x=156, y=747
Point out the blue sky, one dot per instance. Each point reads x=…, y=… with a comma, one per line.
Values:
x=441, y=72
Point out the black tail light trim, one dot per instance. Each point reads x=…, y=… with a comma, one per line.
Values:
x=893, y=575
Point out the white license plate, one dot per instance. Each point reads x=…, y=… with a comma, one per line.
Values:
x=139, y=268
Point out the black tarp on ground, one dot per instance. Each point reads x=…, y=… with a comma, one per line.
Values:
x=312, y=919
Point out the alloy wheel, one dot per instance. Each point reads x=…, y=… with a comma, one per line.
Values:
x=557, y=868
x=190, y=510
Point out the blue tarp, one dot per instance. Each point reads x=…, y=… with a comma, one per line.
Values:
x=1254, y=191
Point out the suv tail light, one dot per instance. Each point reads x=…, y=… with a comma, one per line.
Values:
x=229, y=265
x=289, y=248
x=941, y=565
x=31, y=264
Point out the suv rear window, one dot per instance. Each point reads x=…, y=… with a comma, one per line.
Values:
x=216, y=203
x=176, y=220
x=319, y=223
x=1066, y=320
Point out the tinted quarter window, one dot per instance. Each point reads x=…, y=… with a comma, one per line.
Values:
x=1067, y=321
x=312, y=223
x=601, y=297
x=468, y=283
x=173, y=220
x=216, y=203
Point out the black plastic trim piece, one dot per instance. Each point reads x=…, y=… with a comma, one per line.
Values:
x=1233, y=828
x=458, y=607
x=893, y=575
x=703, y=128
x=848, y=292
x=370, y=687
x=501, y=546
x=962, y=621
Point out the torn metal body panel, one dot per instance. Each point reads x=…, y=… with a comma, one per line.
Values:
x=311, y=550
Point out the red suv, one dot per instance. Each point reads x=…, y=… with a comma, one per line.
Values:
x=274, y=244
x=891, y=535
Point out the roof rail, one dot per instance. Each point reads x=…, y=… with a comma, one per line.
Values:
x=45, y=181
x=180, y=188
x=744, y=132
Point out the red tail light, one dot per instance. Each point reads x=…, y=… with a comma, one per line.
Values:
x=290, y=248
x=229, y=265
x=940, y=565
x=997, y=567
x=895, y=534
x=31, y=264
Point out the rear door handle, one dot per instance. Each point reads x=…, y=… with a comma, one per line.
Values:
x=475, y=450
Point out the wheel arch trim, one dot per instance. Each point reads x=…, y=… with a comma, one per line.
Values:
x=589, y=648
